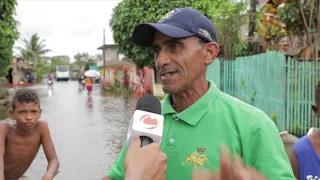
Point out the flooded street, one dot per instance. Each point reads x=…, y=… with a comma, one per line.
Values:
x=88, y=132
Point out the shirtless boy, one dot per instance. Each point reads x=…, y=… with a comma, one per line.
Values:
x=305, y=157
x=20, y=143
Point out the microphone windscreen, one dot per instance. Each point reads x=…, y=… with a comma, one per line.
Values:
x=149, y=103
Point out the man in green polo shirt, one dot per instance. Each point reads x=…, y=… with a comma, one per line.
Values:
x=198, y=116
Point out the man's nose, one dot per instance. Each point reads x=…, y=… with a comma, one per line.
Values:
x=162, y=59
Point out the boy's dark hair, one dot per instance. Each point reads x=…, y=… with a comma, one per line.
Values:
x=318, y=94
x=25, y=96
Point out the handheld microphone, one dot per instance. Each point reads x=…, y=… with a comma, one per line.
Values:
x=147, y=121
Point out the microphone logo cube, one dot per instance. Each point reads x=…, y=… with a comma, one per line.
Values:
x=149, y=121
x=145, y=123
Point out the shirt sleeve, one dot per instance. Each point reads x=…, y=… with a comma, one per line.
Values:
x=117, y=170
x=264, y=150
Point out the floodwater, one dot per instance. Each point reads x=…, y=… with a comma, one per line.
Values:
x=88, y=132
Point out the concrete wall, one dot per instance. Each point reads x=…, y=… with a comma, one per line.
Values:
x=111, y=53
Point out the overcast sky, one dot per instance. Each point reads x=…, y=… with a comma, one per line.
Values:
x=68, y=26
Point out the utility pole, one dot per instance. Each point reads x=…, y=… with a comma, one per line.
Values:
x=103, y=54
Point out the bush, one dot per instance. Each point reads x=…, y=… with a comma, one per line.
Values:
x=116, y=80
x=115, y=85
x=3, y=81
x=106, y=84
x=126, y=78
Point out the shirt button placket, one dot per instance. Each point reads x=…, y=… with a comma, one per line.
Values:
x=171, y=135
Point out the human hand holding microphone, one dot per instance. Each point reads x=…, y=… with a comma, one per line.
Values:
x=145, y=163
x=144, y=159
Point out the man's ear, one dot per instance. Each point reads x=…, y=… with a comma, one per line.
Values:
x=11, y=114
x=212, y=51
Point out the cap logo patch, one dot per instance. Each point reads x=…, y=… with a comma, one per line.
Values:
x=169, y=14
x=205, y=33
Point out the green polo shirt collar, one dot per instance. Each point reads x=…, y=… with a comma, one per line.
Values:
x=194, y=113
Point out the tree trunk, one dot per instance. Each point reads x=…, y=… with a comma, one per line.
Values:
x=252, y=26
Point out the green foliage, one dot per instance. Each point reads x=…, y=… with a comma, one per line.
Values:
x=57, y=62
x=300, y=16
x=82, y=59
x=227, y=18
x=241, y=49
x=4, y=94
x=8, y=33
x=288, y=12
x=128, y=14
x=274, y=118
x=34, y=49
x=41, y=70
x=3, y=81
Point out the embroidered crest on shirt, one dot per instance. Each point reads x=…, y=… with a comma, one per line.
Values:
x=310, y=177
x=197, y=158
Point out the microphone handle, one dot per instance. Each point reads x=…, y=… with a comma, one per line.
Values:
x=145, y=140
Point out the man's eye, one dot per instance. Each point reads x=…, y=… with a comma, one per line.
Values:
x=34, y=111
x=174, y=46
x=20, y=112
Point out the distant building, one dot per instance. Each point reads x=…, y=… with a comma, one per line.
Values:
x=111, y=52
x=112, y=61
x=116, y=62
x=21, y=71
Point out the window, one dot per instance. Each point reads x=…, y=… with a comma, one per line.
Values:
x=62, y=68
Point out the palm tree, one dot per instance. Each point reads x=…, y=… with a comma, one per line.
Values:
x=33, y=49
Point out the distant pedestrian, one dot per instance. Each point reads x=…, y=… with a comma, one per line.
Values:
x=89, y=83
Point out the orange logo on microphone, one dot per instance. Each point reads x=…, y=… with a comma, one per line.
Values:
x=148, y=121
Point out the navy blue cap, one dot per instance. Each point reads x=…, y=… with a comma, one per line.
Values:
x=178, y=23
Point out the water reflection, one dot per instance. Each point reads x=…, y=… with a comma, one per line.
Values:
x=49, y=92
x=89, y=102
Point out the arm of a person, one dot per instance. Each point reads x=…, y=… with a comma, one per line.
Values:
x=263, y=150
x=49, y=150
x=294, y=163
x=3, y=136
x=117, y=171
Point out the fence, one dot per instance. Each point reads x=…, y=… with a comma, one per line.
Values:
x=280, y=86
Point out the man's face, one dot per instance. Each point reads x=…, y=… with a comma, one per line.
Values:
x=26, y=115
x=179, y=62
